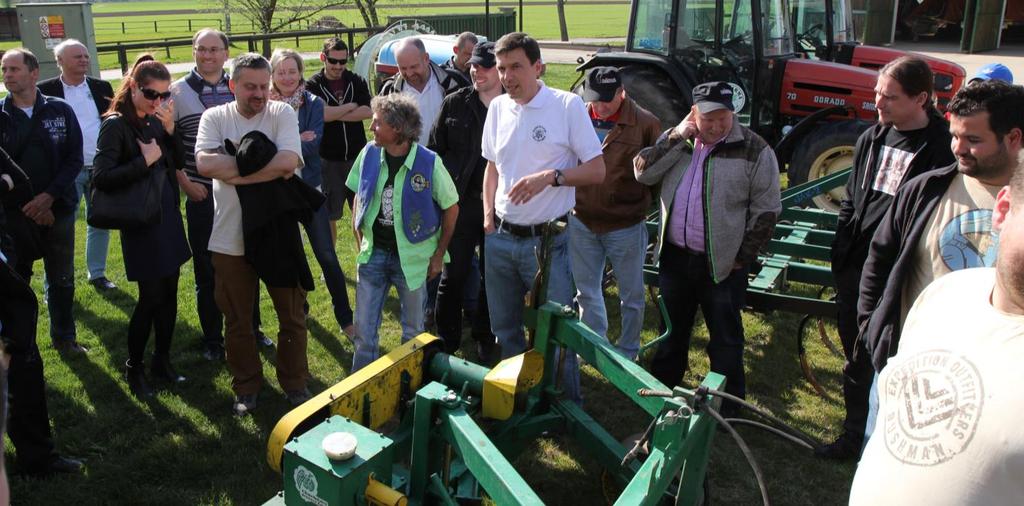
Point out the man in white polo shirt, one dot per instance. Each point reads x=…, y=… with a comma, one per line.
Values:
x=539, y=143
x=235, y=278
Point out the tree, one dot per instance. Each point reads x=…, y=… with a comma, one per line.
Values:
x=564, y=32
x=274, y=15
x=368, y=9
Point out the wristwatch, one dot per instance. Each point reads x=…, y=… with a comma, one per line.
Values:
x=559, y=178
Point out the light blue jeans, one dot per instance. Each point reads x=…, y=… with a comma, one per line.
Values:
x=869, y=427
x=97, y=240
x=625, y=249
x=375, y=279
x=510, y=266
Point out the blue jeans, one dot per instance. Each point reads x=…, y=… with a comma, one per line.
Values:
x=509, y=268
x=97, y=240
x=59, y=263
x=375, y=279
x=319, y=233
x=625, y=249
x=869, y=427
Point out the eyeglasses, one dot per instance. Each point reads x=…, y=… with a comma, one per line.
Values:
x=336, y=61
x=211, y=50
x=153, y=94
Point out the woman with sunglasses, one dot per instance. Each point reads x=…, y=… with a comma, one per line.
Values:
x=288, y=86
x=137, y=137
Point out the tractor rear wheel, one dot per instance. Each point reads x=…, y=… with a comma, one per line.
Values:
x=825, y=151
x=655, y=91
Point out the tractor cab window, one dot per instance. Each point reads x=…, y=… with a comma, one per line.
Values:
x=652, y=29
x=842, y=22
x=808, y=17
x=715, y=42
x=777, y=32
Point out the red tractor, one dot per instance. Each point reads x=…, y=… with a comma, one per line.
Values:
x=809, y=94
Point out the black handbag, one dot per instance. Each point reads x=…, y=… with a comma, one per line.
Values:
x=135, y=205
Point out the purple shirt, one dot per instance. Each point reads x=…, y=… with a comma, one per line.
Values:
x=686, y=221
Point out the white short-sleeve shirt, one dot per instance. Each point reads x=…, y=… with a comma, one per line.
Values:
x=552, y=131
x=947, y=431
x=429, y=101
x=280, y=124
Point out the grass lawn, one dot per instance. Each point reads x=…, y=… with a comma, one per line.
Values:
x=541, y=21
x=184, y=446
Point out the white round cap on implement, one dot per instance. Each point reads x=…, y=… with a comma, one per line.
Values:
x=339, y=445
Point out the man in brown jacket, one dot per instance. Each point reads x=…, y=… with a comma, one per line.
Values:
x=608, y=221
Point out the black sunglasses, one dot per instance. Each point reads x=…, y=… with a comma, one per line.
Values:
x=153, y=94
x=336, y=61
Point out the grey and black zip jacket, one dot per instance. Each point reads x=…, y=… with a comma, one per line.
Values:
x=741, y=194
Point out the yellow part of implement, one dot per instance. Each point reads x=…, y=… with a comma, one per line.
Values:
x=379, y=384
x=511, y=377
x=379, y=494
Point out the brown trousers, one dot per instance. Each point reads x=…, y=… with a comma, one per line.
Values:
x=235, y=287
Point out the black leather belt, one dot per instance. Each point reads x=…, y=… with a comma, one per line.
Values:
x=529, y=230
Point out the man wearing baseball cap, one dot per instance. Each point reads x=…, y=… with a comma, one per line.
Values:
x=719, y=203
x=608, y=222
x=456, y=139
x=996, y=71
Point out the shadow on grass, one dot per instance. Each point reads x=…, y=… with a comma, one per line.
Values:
x=133, y=448
x=330, y=342
x=118, y=298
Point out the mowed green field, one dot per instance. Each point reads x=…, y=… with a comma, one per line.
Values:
x=184, y=447
x=583, y=21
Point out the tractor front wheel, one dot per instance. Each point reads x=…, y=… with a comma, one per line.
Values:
x=825, y=151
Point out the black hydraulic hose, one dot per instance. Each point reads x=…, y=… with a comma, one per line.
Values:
x=797, y=433
x=746, y=452
x=768, y=416
x=773, y=430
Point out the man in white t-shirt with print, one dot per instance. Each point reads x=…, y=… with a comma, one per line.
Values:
x=236, y=281
x=539, y=143
x=941, y=221
x=950, y=397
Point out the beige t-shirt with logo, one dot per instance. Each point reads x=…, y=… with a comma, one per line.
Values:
x=958, y=236
x=948, y=430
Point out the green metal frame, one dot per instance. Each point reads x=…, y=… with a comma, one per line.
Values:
x=448, y=457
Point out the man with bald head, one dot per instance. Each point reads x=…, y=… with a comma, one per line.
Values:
x=423, y=80
x=90, y=98
x=461, y=53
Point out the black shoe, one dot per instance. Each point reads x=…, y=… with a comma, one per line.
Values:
x=71, y=347
x=136, y=376
x=214, y=354
x=845, y=448
x=297, y=397
x=244, y=404
x=487, y=352
x=59, y=465
x=163, y=369
x=102, y=283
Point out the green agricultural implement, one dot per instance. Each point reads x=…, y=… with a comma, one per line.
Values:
x=419, y=426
